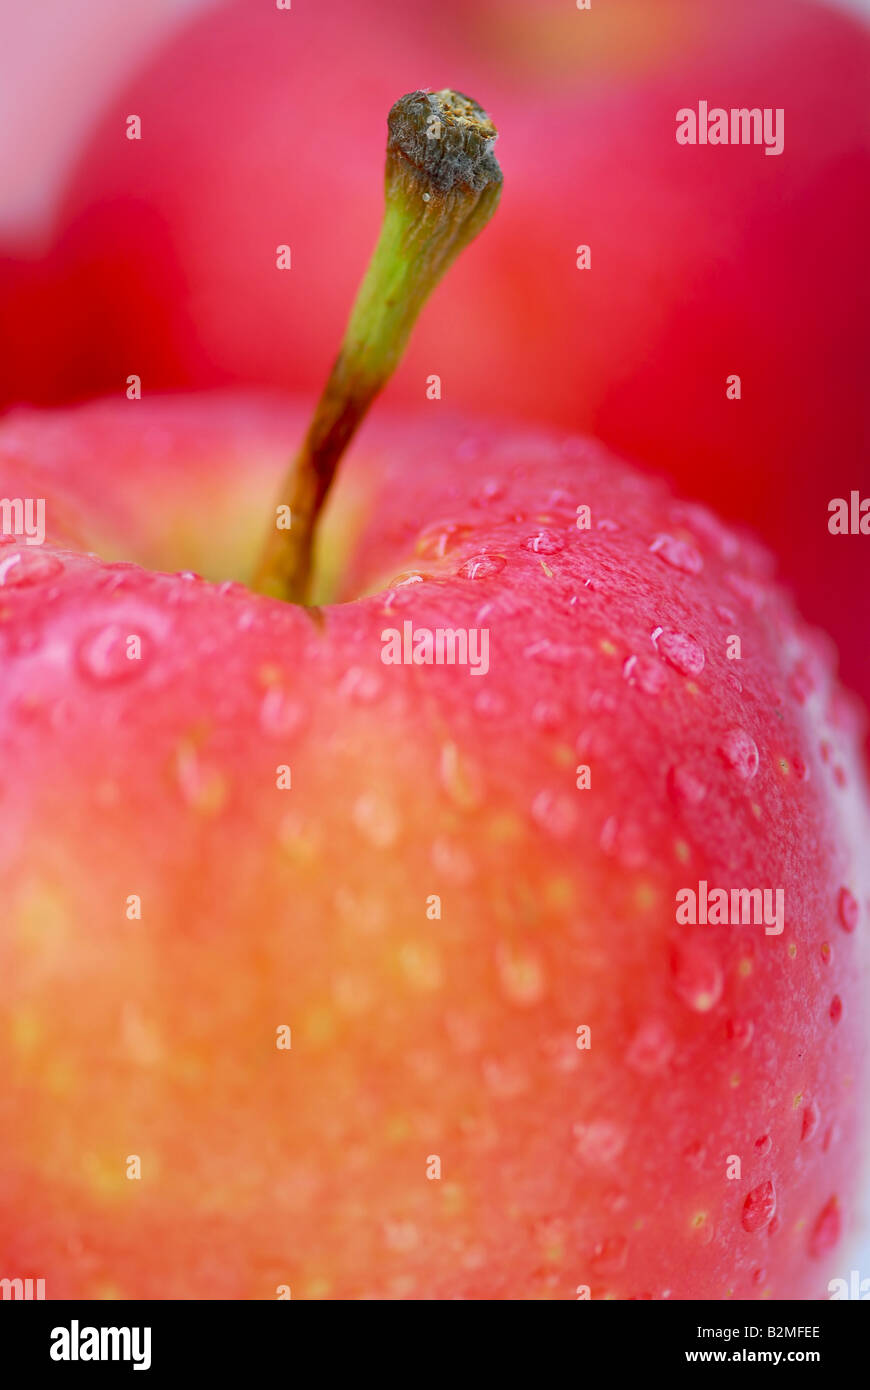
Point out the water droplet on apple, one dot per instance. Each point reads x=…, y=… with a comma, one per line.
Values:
x=752, y=593
x=231, y=588
x=451, y=860
x=482, y=566
x=545, y=543
x=361, y=685
x=599, y=1141
x=705, y=525
x=847, y=910
x=376, y=819
x=490, y=704
x=801, y=684
x=438, y=539
x=401, y=1236
x=555, y=812
x=702, y=1228
x=280, y=713
x=202, y=784
x=407, y=577
x=739, y=1031
x=826, y=1231
x=682, y=652
x=685, y=786
x=460, y=778
x=647, y=675
x=521, y=974
x=695, y=1155
x=759, y=1207
x=696, y=975
x=810, y=1120
x=493, y=490
x=740, y=752
x=550, y=653
x=651, y=1048
x=26, y=567
x=625, y=841
x=548, y=715
x=505, y=1078
x=680, y=555
x=102, y=654
x=609, y=1256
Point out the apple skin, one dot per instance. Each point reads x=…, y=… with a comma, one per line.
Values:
x=307, y=907
x=705, y=261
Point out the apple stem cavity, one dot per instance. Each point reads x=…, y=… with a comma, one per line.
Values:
x=443, y=184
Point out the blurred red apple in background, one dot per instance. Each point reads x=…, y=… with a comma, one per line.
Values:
x=60, y=65
x=253, y=824
x=259, y=125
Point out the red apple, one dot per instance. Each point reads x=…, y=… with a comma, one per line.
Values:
x=433, y=907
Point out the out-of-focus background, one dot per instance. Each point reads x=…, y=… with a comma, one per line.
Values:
x=263, y=126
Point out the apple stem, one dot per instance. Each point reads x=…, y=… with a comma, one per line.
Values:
x=442, y=186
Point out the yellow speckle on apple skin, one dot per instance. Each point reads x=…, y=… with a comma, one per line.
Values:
x=106, y=1175
x=319, y=1025
x=420, y=964
x=60, y=1077
x=453, y=1198
x=41, y=920
x=25, y=1030
x=559, y=893
x=268, y=675
x=505, y=828
x=645, y=897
